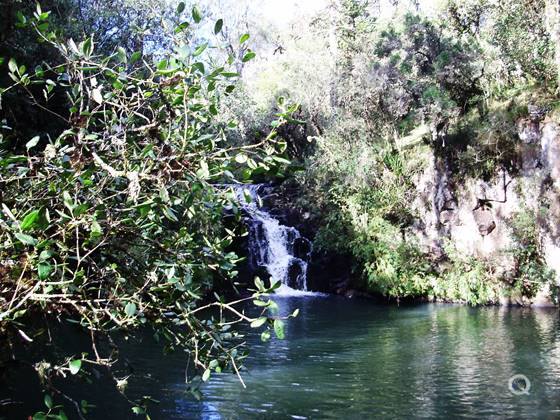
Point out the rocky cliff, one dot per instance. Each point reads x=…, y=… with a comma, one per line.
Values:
x=476, y=216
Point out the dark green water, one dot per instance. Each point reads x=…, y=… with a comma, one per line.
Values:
x=354, y=360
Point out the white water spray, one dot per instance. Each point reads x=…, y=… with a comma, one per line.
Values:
x=278, y=248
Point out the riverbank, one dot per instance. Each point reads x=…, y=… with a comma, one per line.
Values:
x=490, y=239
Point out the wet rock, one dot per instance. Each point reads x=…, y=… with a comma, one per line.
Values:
x=329, y=272
x=448, y=217
x=294, y=274
x=550, y=150
x=261, y=273
x=302, y=248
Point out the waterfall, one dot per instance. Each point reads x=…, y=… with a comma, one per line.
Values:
x=280, y=249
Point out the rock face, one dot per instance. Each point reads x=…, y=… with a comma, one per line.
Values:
x=476, y=216
x=484, y=219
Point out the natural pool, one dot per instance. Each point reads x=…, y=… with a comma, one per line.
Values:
x=357, y=359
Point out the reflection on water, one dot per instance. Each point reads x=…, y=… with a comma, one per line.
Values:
x=355, y=359
x=359, y=360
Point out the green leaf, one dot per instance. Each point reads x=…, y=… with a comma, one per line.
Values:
x=279, y=328
x=281, y=160
x=249, y=56
x=12, y=65
x=1, y=60
x=39, y=72
x=95, y=230
x=48, y=401
x=68, y=201
x=45, y=255
x=200, y=50
x=181, y=7
x=162, y=65
x=130, y=309
x=197, y=17
x=198, y=66
x=138, y=410
x=137, y=55
x=73, y=47
x=295, y=313
x=170, y=214
x=241, y=158
x=181, y=27
x=260, y=285
x=244, y=38
x=29, y=220
x=21, y=18
x=204, y=171
x=259, y=322
x=206, y=375
x=121, y=55
x=218, y=26
x=265, y=336
x=26, y=239
x=88, y=46
x=75, y=366
x=81, y=209
x=276, y=285
x=33, y=142
x=44, y=270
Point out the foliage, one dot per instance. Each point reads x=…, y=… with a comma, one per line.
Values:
x=423, y=75
x=394, y=265
x=397, y=95
x=530, y=269
x=522, y=38
x=515, y=34
x=118, y=220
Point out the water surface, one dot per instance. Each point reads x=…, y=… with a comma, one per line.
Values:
x=342, y=359
x=356, y=359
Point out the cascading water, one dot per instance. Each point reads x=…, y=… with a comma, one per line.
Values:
x=280, y=249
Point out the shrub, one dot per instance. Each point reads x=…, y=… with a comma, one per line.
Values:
x=531, y=272
x=117, y=222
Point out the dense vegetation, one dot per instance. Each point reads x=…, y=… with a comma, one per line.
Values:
x=387, y=97
x=115, y=211
x=123, y=123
